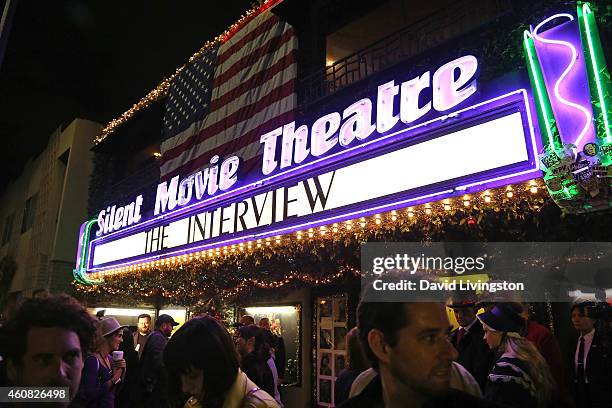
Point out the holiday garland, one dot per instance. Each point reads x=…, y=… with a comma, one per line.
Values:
x=331, y=254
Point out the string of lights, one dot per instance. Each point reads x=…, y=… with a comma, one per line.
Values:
x=161, y=90
x=488, y=197
x=316, y=256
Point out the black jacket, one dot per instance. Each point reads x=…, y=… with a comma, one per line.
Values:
x=598, y=392
x=258, y=371
x=510, y=384
x=474, y=354
x=371, y=397
x=152, y=372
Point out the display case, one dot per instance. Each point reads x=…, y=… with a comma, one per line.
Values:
x=285, y=323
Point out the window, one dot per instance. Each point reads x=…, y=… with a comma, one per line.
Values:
x=28, y=213
x=7, y=228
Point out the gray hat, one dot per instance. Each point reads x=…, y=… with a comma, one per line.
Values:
x=109, y=325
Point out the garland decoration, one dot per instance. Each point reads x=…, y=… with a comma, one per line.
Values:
x=331, y=254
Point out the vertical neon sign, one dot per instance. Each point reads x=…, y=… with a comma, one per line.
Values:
x=572, y=91
x=80, y=272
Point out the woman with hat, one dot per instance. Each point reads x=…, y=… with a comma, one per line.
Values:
x=102, y=374
x=520, y=376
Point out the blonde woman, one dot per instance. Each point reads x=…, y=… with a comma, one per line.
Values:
x=520, y=376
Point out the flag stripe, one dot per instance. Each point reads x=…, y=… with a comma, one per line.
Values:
x=228, y=121
x=256, y=80
x=235, y=44
x=250, y=59
x=204, y=159
x=250, y=131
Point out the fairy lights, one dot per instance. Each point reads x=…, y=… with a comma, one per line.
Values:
x=231, y=275
x=410, y=214
x=161, y=90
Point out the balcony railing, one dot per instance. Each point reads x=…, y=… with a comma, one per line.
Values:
x=457, y=19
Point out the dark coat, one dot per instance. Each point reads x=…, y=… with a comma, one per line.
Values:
x=128, y=389
x=344, y=381
x=258, y=371
x=598, y=392
x=510, y=384
x=152, y=377
x=549, y=348
x=371, y=397
x=474, y=353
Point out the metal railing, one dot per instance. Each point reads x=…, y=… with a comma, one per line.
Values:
x=457, y=19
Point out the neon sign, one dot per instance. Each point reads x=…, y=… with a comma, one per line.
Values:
x=452, y=84
x=568, y=73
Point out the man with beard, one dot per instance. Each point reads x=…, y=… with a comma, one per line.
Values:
x=408, y=345
x=44, y=344
x=141, y=335
x=152, y=372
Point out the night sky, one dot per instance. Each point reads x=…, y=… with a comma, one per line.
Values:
x=92, y=59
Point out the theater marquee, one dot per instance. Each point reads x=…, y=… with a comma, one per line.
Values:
x=435, y=135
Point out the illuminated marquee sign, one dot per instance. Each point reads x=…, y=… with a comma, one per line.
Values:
x=452, y=83
x=426, y=138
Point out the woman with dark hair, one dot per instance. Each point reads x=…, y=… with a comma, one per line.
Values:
x=254, y=350
x=356, y=363
x=203, y=369
x=520, y=376
x=101, y=373
x=127, y=394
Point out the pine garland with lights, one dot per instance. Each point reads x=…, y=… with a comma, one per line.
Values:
x=331, y=254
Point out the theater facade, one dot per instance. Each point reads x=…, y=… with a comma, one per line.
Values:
x=439, y=125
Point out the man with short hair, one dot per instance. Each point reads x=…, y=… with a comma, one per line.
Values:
x=408, y=346
x=277, y=345
x=152, y=373
x=142, y=333
x=468, y=340
x=247, y=320
x=44, y=343
x=590, y=359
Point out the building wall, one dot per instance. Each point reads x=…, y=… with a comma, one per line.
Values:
x=59, y=178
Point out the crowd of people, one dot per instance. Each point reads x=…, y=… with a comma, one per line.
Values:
x=399, y=355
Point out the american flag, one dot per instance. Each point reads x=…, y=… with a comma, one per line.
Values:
x=221, y=103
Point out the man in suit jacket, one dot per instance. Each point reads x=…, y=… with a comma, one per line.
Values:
x=468, y=340
x=590, y=361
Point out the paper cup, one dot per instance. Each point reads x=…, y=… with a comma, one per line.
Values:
x=117, y=355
